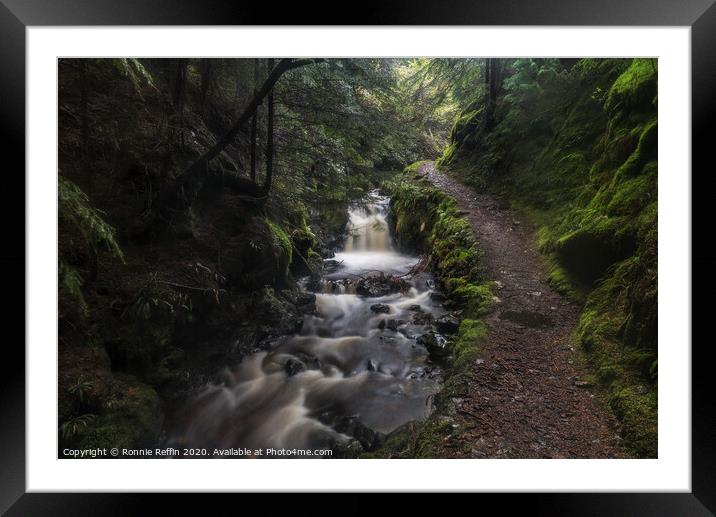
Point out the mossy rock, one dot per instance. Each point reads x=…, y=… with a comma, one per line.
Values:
x=465, y=124
x=132, y=417
x=635, y=88
x=636, y=407
x=589, y=251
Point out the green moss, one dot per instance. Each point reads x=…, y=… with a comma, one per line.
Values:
x=429, y=220
x=398, y=444
x=282, y=243
x=465, y=124
x=435, y=430
x=583, y=166
x=565, y=283
x=131, y=418
x=467, y=344
x=636, y=407
x=448, y=156
x=635, y=87
x=414, y=167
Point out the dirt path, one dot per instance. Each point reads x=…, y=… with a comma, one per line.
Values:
x=527, y=399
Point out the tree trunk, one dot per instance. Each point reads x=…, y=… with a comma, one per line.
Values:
x=254, y=122
x=491, y=81
x=266, y=188
x=178, y=95
x=185, y=189
x=207, y=74
x=84, y=100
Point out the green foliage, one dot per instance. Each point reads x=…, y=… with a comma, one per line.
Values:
x=576, y=149
x=158, y=302
x=636, y=406
x=74, y=206
x=70, y=281
x=467, y=344
x=635, y=88
x=282, y=242
x=532, y=92
x=81, y=390
x=131, y=420
x=135, y=71
x=76, y=426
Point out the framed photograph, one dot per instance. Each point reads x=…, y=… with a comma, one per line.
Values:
x=425, y=249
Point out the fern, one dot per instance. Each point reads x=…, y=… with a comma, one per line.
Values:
x=135, y=71
x=71, y=283
x=81, y=389
x=74, y=426
x=74, y=206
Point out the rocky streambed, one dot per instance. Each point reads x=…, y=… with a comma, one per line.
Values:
x=365, y=361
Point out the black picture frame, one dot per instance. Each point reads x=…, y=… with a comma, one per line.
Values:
x=17, y=15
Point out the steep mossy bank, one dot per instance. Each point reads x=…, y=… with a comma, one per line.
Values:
x=427, y=221
x=575, y=147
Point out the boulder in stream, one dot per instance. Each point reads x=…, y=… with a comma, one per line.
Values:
x=294, y=366
x=447, y=324
x=380, y=308
x=381, y=285
x=370, y=440
x=435, y=344
x=437, y=297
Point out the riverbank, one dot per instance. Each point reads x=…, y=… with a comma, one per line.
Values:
x=514, y=387
x=578, y=157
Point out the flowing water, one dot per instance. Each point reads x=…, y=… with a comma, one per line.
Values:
x=349, y=367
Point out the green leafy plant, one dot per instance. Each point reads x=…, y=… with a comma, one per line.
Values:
x=74, y=206
x=135, y=71
x=81, y=389
x=75, y=426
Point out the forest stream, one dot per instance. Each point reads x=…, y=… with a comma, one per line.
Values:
x=228, y=281
x=355, y=369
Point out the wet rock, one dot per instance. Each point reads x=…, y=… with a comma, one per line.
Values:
x=381, y=285
x=294, y=366
x=415, y=308
x=394, y=324
x=437, y=297
x=447, y=324
x=297, y=326
x=422, y=318
x=350, y=425
x=350, y=449
x=435, y=344
x=306, y=302
x=372, y=366
x=311, y=362
x=331, y=265
x=380, y=308
x=381, y=325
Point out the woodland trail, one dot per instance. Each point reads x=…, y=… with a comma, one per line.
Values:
x=527, y=399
